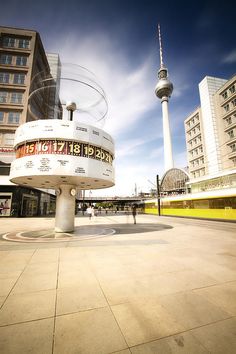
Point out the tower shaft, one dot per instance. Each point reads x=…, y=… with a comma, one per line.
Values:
x=168, y=156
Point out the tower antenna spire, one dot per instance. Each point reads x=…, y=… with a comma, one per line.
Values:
x=160, y=46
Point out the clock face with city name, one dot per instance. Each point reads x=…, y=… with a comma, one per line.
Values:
x=50, y=153
x=64, y=147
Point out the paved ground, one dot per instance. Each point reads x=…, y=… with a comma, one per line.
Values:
x=165, y=285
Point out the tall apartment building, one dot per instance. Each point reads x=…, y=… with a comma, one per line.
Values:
x=211, y=135
x=195, y=144
x=225, y=106
x=22, y=62
x=24, y=68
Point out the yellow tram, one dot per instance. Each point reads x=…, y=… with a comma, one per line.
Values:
x=218, y=204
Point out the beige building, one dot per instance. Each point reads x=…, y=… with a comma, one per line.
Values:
x=23, y=66
x=195, y=144
x=211, y=136
x=29, y=90
x=225, y=106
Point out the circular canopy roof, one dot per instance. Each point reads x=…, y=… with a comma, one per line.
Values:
x=174, y=181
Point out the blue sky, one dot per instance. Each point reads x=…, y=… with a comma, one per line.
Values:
x=117, y=40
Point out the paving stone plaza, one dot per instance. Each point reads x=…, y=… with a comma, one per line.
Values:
x=164, y=285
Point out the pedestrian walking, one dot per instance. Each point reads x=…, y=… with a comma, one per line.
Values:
x=89, y=212
x=134, y=212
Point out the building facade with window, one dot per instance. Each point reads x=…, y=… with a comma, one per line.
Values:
x=23, y=67
x=55, y=70
x=210, y=133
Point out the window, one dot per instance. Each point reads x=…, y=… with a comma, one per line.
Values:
x=19, y=79
x=233, y=102
x=3, y=96
x=8, y=139
x=9, y=42
x=24, y=43
x=226, y=108
x=13, y=117
x=16, y=97
x=4, y=78
x=21, y=60
x=229, y=120
x=233, y=147
x=1, y=116
x=234, y=162
x=231, y=133
x=224, y=95
x=6, y=59
x=232, y=89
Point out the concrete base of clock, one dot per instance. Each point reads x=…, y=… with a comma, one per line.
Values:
x=65, y=209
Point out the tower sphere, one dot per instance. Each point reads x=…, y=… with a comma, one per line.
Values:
x=163, y=88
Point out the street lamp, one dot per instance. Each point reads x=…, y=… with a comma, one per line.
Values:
x=158, y=197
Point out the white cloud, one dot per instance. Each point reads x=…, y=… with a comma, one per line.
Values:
x=156, y=153
x=130, y=92
x=230, y=58
x=130, y=146
x=181, y=160
x=129, y=174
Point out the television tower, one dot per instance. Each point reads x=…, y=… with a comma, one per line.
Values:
x=163, y=91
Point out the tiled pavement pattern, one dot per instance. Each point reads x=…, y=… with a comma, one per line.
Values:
x=141, y=291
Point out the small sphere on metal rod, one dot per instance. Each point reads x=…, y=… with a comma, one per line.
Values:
x=71, y=107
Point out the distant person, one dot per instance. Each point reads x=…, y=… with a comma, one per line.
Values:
x=89, y=212
x=1, y=207
x=5, y=207
x=134, y=212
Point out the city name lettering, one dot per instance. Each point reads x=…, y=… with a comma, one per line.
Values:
x=64, y=147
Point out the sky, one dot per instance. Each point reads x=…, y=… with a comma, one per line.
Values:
x=117, y=40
